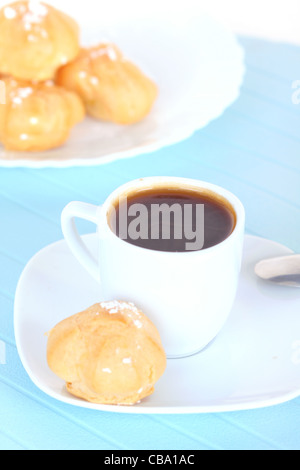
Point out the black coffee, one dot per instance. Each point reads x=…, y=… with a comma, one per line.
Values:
x=172, y=219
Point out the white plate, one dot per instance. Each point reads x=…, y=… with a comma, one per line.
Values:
x=253, y=363
x=196, y=62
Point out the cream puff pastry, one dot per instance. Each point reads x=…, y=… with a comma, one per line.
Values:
x=109, y=354
x=35, y=40
x=37, y=116
x=112, y=88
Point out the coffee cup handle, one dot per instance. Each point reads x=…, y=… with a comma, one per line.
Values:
x=83, y=211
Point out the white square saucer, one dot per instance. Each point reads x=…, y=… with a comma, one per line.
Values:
x=253, y=363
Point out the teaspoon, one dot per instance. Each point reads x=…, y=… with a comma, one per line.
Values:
x=284, y=270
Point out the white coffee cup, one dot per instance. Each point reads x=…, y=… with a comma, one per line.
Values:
x=188, y=295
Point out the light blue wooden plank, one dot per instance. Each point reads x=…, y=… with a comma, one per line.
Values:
x=23, y=232
x=269, y=115
x=6, y=323
x=212, y=428
x=268, y=88
x=265, y=425
x=280, y=60
x=37, y=427
x=9, y=276
x=267, y=176
x=89, y=184
x=254, y=138
x=20, y=398
x=8, y=443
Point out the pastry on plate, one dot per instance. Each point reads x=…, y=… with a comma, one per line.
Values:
x=36, y=39
x=112, y=88
x=109, y=354
x=37, y=116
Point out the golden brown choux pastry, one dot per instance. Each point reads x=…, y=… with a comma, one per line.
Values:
x=112, y=88
x=109, y=354
x=37, y=116
x=36, y=39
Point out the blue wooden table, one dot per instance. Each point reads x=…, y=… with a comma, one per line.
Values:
x=254, y=151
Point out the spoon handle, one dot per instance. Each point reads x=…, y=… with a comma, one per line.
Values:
x=284, y=270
